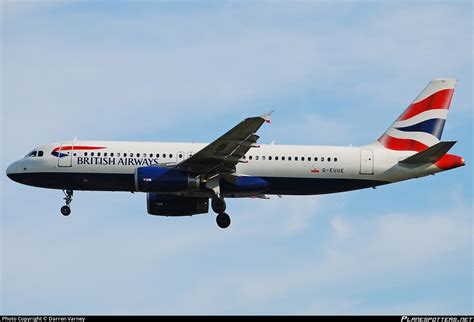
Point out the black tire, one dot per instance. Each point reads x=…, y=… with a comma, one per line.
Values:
x=218, y=205
x=223, y=220
x=65, y=211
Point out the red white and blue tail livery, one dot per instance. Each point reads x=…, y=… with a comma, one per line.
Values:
x=180, y=179
x=422, y=123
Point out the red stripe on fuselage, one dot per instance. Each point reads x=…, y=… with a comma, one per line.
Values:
x=437, y=101
x=401, y=144
x=78, y=147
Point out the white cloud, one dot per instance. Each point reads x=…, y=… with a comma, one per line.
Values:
x=399, y=245
x=340, y=227
x=66, y=82
x=311, y=128
x=244, y=269
x=284, y=216
x=19, y=9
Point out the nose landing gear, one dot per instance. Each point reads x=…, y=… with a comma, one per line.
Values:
x=66, y=210
x=218, y=206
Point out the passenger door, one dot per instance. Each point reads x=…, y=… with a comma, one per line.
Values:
x=65, y=155
x=366, y=161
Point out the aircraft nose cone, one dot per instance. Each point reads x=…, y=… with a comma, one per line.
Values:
x=11, y=170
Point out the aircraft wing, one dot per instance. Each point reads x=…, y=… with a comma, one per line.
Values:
x=222, y=155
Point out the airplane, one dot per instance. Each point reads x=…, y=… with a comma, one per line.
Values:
x=181, y=179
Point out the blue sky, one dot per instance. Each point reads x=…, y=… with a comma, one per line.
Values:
x=337, y=73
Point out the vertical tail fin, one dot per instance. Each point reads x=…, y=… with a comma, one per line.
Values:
x=421, y=124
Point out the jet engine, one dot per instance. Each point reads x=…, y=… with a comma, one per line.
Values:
x=163, y=179
x=169, y=205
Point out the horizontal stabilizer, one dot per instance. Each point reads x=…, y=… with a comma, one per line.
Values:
x=430, y=155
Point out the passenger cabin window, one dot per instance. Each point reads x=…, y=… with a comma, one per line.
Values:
x=315, y=158
x=111, y=154
x=329, y=159
x=256, y=157
x=164, y=155
x=131, y=155
x=92, y=154
x=335, y=159
x=322, y=158
x=296, y=158
x=283, y=158
x=270, y=158
x=124, y=155
x=105, y=154
x=302, y=158
x=98, y=154
x=276, y=158
x=40, y=153
x=250, y=157
x=171, y=156
x=85, y=154
x=138, y=155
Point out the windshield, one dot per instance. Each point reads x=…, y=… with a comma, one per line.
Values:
x=31, y=154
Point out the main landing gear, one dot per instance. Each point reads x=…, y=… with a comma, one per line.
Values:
x=66, y=210
x=218, y=206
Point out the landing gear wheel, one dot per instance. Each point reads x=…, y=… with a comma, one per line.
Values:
x=218, y=205
x=65, y=210
x=223, y=220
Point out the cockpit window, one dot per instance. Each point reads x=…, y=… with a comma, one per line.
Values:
x=40, y=153
x=31, y=154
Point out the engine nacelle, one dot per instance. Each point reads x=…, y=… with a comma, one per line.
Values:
x=169, y=205
x=163, y=179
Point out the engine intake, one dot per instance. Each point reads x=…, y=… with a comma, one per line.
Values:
x=163, y=179
x=169, y=205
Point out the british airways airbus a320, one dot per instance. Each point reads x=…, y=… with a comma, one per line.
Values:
x=180, y=178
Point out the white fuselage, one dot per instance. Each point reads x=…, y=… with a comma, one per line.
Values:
x=312, y=165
